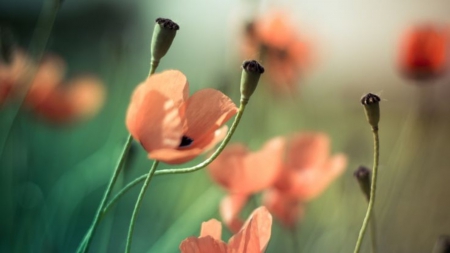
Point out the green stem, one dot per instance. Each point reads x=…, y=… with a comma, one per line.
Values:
x=373, y=187
x=216, y=153
x=138, y=205
x=138, y=180
x=153, y=65
x=84, y=247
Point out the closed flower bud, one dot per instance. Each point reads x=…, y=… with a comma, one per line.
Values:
x=163, y=35
x=362, y=174
x=251, y=71
x=372, y=109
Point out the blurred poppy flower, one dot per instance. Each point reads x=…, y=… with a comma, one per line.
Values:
x=287, y=209
x=283, y=52
x=306, y=173
x=308, y=168
x=81, y=98
x=423, y=52
x=47, y=95
x=252, y=238
x=243, y=173
x=172, y=127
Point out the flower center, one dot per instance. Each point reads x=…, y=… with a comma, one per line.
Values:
x=185, y=142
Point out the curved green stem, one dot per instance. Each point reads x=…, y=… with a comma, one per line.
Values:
x=214, y=155
x=373, y=187
x=140, y=179
x=85, y=244
x=137, y=207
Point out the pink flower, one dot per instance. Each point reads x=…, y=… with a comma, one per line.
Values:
x=252, y=238
x=173, y=127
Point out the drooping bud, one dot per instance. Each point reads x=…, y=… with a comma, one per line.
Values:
x=163, y=35
x=7, y=44
x=251, y=71
x=363, y=174
x=372, y=109
x=442, y=244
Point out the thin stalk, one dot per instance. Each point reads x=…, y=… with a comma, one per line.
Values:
x=137, y=207
x=85, y=247
x=140, y=179
x=373, y=187
x=213, y=156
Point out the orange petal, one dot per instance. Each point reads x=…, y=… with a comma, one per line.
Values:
x=255, y=234
x=202, y=245
x=49, y=74
x=55, y=107
x=87, y=95
x=211, y=228
x=288, y=210
x=309, y=184
x=154, y=122
x=206, y=111
x=240, y=171
x=175, y=156
x=230, y=207
x=172, y=84
x=308, y=150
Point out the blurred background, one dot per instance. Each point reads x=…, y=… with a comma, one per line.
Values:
x=53, y=175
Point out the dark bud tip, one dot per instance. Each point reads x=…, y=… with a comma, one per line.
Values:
x=362, y=172
x=253, y=67
x=167, y=23
x=362, y=175
x=370, y=99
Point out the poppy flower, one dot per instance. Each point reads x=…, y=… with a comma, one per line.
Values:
x=80, y=98
x=47, y=95
x=284, y=53
x=306, y=172
x=252, y=238
x=308, y=168
x=287, y=209
x=243, y=173
x=423, y=52
x=173, y=127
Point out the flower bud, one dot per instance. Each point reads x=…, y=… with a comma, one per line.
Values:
x=251, y=71
x=363, y=174
x=163, y=35
x=372, y=109
x=442, y=244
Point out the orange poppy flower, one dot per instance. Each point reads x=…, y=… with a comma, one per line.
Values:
x=252, y=238
x=308, y=169
x=172, y=127
x=242, y=173
x=80, y=98
x=286, y=209
x=423, y=52
x=284, y=53
x=46, y=95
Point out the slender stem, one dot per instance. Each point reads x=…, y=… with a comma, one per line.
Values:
x=153, y=65
x=373, y=233
x=140, y=179
x=373, y=187
x=138, y=205
x=99, y=213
